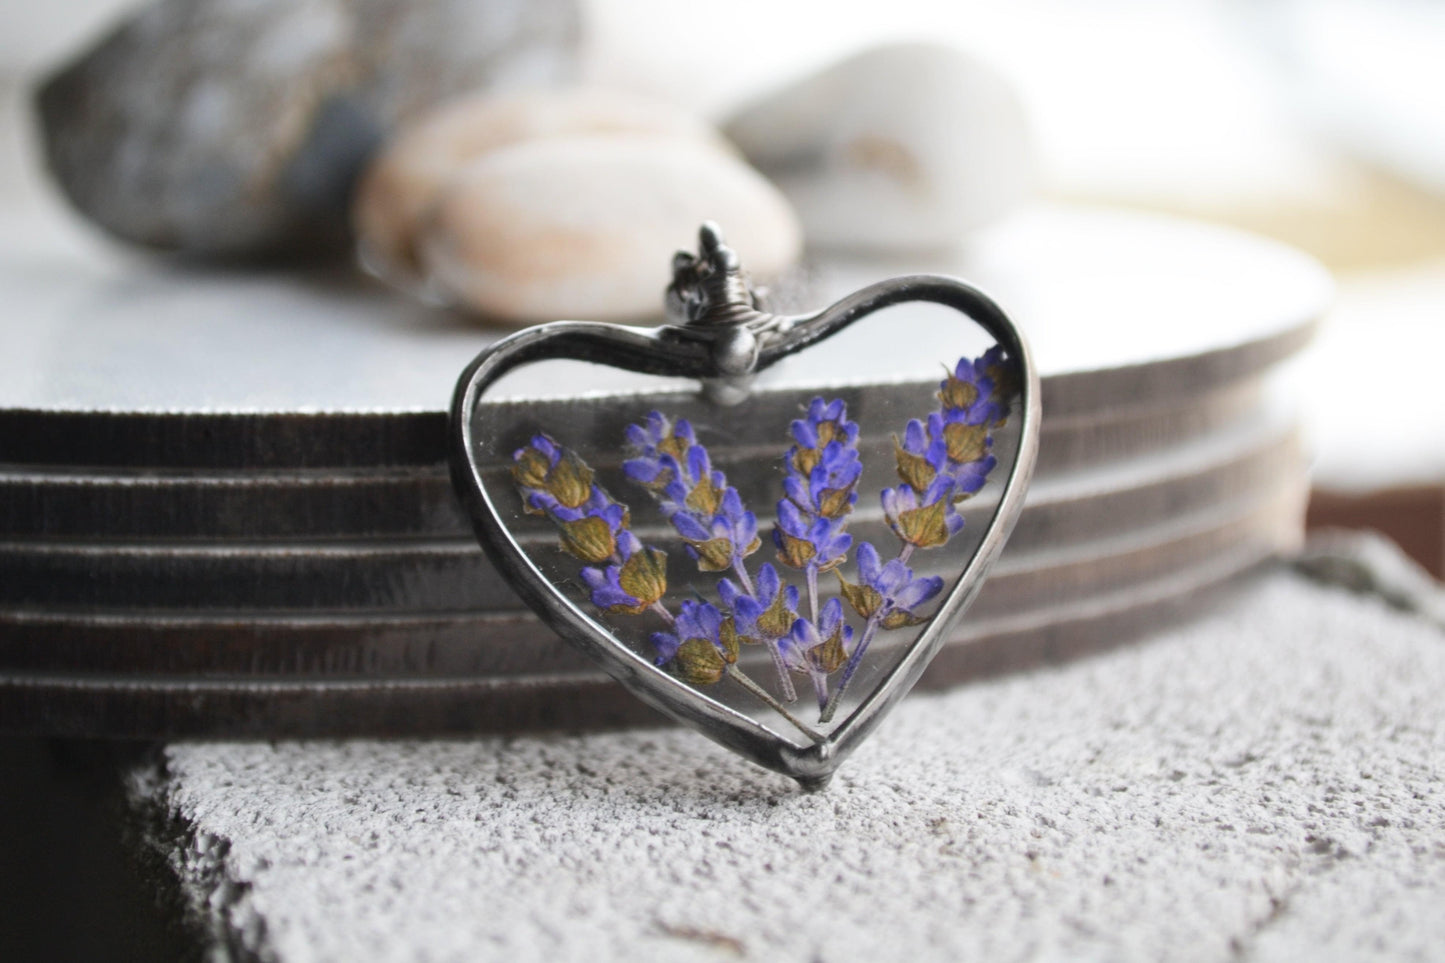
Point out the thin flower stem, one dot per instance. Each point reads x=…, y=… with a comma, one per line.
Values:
x=741, y=570
x=820, y=688
x=772, y=703
x=785, y=681
x=661, y=610
x=869, y=630
x=813, y=591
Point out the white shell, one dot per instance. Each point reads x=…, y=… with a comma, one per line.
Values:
x=403, y=182
x=899, y=147
x=570, y=227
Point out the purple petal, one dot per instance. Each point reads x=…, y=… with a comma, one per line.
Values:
x=732, y=502
x=805, y=434
x=690, y=528
x=971, y=476
x=767, y=583
x=743, y=530
x=729, y=592
x=830, y=616
x=642, y=469
x=627, y=544
x=746, y=613
x=891, y=578
x=666, y=645
x=547, y=447
x=917, y=592
x=798, y=491
x=698, y=466
x=914, y=438
x=937, y=454
x=606, y=590
x=867, y=563
x=804, y=634
x=940, y=488
x=898, y=500
x=792, y=520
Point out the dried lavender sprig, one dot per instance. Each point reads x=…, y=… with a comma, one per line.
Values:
x=940, y=466
x=820, y=490
x=703, y=644
x=819, y=647
x=763, y=613
x=708, y=513
x=623, y=576
x=888, y=596
x=628, y=577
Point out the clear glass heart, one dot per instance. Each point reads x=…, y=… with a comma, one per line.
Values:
x=779, y=556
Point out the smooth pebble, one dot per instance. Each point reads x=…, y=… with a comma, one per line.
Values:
x=236, y=129
x=584, y=227
x=902, y=146
x=407, y=177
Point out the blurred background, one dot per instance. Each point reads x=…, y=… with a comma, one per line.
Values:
x=1316, y=122
x=1320, y=123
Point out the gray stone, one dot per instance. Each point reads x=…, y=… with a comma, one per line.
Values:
x=238, y=128
x=1261, y=785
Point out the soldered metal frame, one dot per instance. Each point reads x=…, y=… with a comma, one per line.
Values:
x=718, y=334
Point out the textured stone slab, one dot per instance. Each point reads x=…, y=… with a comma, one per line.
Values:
x=1264, y=784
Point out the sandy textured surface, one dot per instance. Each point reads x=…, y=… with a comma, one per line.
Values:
x=1266, y=784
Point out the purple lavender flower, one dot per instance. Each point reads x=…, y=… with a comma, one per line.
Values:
x=946, y=459
x=546, y=470
x=698, y=644
x=890, y=592
x=764, y=614
x=729, y=536
x=697, y=499
x=978, y=391
x=963, y=445
x=622, y=575
x=920, y=457
x=925, y=520
x=633, y=580
x=941, y=462
x=823, y=469
x=825, y=422
x=828, y=489
x=819, y=650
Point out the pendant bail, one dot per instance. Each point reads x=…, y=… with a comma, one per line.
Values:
x=711, y=292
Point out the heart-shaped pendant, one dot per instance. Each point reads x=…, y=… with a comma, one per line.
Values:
x=774, y=559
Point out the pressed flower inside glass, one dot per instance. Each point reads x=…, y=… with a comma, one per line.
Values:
x=781, y=554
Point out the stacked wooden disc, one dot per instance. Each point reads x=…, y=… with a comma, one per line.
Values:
x=225, y=507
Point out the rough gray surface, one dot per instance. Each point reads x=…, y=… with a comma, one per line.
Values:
x=1369, y=563
x=1263, y=784
x=236, y=128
